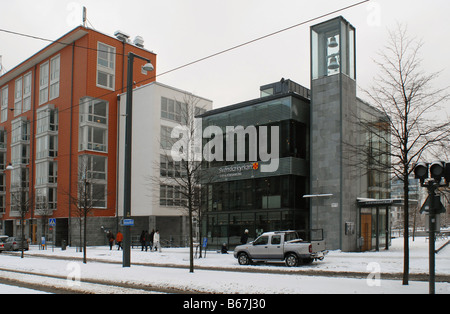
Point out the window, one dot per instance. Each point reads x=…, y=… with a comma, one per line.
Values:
x=4, y=104
x=172, y=109
x=172, y=169
x=2, y=161
x=261, y=240
x=20, y=154
x=171, y=196
x=166, y=140
x=92, y=179
x=45, y=200
x=20, y=178
x=94, y=138
x=94, y=110
x=95, y=166
x=20, y=131
x=2, y=203
x=18, y=97
x=47, y=146
x=26, y=92
x=16, y=198
x=106, y=56
x=93, y=125
x=276, y=239
x=47, y=120
x=46, y=172
x=49, y=76
x=43, y=83
x=54, y=77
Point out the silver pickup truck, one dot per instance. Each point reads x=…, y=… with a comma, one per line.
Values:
x=284, y=246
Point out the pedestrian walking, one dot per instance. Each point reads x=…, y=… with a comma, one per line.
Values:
x=244, y=237
x=110, y=237
x=119, y=239
x=156, y=244
x=152, y=234
x=147, y=241
x=142, y=240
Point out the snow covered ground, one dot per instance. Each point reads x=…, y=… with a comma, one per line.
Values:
x=223, y=281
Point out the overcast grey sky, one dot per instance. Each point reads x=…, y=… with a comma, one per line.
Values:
x=181, y=31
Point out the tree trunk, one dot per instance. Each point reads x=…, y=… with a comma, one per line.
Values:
x=84, y=239
x=406, y=227
x=191, y=235
x=22, y=234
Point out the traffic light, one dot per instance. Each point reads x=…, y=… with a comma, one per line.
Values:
x=421, y=171
x=437, y=170
x=447, y=172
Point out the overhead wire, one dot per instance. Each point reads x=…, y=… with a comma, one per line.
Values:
x=189, y=63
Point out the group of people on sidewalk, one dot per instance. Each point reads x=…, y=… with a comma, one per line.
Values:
x=118, y=238
x=151, y=240
x=147, y=240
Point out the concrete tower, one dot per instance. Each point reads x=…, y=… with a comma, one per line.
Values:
x=333, y=91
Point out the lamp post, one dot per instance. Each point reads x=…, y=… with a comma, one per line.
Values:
x=127, y=168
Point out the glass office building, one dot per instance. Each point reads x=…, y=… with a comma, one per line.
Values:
x=239, y=195
x=333, y=168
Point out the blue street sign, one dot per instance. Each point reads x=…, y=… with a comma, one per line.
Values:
x=52, y=222
x=205, y=242
x=128, y=222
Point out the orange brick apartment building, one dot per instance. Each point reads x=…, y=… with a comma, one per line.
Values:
x=58, y=114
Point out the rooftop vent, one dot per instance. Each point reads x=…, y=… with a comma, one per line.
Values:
x=121, y=36
x=138, y=41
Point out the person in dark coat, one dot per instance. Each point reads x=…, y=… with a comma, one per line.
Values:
x=151, y=239
x=142, y=240
x=244, y=237
x=147, y=240
x=111, y=239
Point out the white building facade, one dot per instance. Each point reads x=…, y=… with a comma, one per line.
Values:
x=157, y=109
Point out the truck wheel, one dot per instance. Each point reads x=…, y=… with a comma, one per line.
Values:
x=243, y=259
x=291, y=260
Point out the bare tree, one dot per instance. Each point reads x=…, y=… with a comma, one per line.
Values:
x=21, y=202
x=44, y=210
x=180, y=169
x=90, y=194
x=407, y=95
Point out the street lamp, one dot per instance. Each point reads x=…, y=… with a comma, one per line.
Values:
x=127, y=170
x=432, y=176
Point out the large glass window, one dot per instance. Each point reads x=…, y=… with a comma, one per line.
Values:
x=46, y=200
x=26, y=92
x=47, y=120
x=93, y=133
x=18, y=97
x=92, y=175
x=106, y=57
x=4, y=104
x=43, y=83
x=54, y=77
x=46, y=172
x=172, y=196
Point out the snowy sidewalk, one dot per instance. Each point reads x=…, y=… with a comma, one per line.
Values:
x=230, y=282
x=389, y=262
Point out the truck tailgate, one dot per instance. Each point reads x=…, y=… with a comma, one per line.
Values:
x=318, y=246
